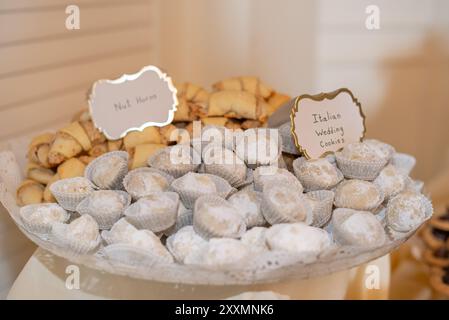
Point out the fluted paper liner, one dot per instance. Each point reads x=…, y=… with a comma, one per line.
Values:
x=189, y=196
x=174, y=170
x=105, y=221
x=40, y=228
x=134, y=194
x=154, y=222
x=308, y=182
x=322, y=211
x=69, y=200
x=275, y=215
x=116, y=182
x=60, y=238
x=356, y=169
x=205, y=230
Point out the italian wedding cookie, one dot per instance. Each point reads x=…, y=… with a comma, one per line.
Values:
x=144, y=181
x=358, y=195
x=406, y=211
x=297, y=238
x=317, y=174
x=39, y=218
x=361, y=160
x=215, y=217
x=281, y=204
x=357, y=228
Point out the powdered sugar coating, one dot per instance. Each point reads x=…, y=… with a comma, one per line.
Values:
x=121, y=232
x=255, y=238
x=383, y=149
x=214, y=216
x=316, y=174
x=357, y=228
x=224, y=251
x=282, y=203
x=365, y=152
x=264, y=175
x=407, y=210
x=297, y=238
x=200, y=182
x=83, y=229
x=141, y=182
x=391, y=181
x=247, y=203
x=46, y=214
x=106, y=171
x=358, y=195
x=185, y=244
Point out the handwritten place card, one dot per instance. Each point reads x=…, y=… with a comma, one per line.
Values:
x=326, y=122
x=133, y=102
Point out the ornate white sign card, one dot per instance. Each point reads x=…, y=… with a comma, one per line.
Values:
x=326, y=122
x=133, y=102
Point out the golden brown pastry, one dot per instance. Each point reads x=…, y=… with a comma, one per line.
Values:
x=233, y=104
x=115, y=145
x=47, y=195
x=39, y=174
x=71, y=168
x=147, y=135
x=192, y=102
x=69, y=142
x=39, y=148
x=142, y=152
x=249, y=84
x=29, y=192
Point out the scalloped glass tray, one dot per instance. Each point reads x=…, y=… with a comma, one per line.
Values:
x=269, y=267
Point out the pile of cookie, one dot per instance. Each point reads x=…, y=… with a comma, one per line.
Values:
x=241, y=102
x=436, y=238
x=218, y=203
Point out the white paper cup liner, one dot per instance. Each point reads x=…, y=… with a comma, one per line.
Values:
x=136, y=194
x=189, y=196
x=322, y=210
x=40, y=228
x=276, y=215
x=226, y=172
x=68, y=200
x=403, y=162
x=116, y=182
x=59, y=237
x=309, y=182
x=154, y=221
x=184, y=219
x=280, y=178
x=104, y=220
x=395, y=233
x=276, y=161
x=206, y=231
x=354, y=169
x=175, y=170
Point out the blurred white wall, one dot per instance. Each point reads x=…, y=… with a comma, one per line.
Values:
x=207, y=40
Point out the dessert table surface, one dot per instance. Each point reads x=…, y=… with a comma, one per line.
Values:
x=46, y=276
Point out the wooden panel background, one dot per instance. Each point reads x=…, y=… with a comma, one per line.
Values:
x=46, y=71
